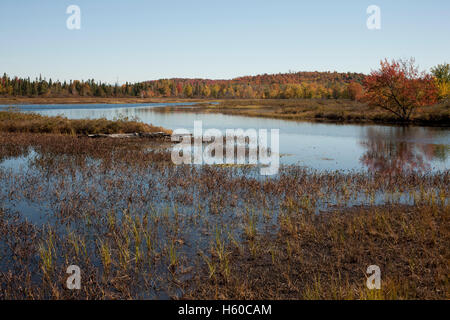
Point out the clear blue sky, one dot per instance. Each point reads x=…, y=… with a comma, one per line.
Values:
x=139, y=40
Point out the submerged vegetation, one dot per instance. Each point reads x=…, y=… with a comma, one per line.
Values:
x=140, y=227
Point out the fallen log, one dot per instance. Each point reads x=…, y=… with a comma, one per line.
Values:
x=152, y=135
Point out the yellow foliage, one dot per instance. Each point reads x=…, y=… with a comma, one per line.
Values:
x=444, y=89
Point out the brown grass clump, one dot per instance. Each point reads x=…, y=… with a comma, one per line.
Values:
x=61, y=150
x=325, y=256
x=11, y=121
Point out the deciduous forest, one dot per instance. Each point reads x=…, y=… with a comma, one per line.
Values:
x=274, y=86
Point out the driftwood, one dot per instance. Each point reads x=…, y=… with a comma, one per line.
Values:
x=151, y=135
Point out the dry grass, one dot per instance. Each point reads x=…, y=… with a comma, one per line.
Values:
x=325, y=256
x=11, y=121
x=320, y=110
x=140, y=227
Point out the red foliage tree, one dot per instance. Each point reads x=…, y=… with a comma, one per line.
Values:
x=399, y=87
x=355, y=91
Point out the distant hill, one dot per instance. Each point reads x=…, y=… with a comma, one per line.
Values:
x=282, y=85
x=301, y=77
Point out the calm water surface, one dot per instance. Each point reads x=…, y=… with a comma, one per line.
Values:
x=315, y=145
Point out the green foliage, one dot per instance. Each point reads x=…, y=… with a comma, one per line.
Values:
x=441, y=72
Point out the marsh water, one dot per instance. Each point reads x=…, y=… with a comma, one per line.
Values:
x=130, y=205
x=323, y=146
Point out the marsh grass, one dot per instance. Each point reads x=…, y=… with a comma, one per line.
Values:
x=327, y=257
x=13, y=121
x=140, y=227
x=321, y=110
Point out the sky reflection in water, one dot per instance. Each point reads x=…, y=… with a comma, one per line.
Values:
x=315, y=145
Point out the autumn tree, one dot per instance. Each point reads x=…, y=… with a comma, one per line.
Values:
x=206, y=92
x=188, y=91
x=442, y=75
x=283, y=85
x=179, y=89
x=355, y=91
x=399, y=88
x=336, y=93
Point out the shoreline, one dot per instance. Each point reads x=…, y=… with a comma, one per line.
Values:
x=326, y=115
x=17, y=122
x=310, y=110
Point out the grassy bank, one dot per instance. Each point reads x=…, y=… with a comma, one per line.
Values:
x=340, y=111
x=321, y=110
x=140, y=227
x=11, y=121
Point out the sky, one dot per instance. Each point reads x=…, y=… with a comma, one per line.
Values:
x=138, y=40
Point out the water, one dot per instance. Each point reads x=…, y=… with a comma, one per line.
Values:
x=315, y=145
x=77, y=199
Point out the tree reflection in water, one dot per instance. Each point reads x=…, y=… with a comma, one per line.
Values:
x=394, y=150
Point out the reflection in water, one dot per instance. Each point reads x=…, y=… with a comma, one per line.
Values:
x=401, y=149
x=322, y=146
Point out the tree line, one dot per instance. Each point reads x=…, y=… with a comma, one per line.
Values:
x=292, y=85
x=276, y=86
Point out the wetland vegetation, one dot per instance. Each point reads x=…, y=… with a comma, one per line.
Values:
x=140, y=227
x=319, y=110
x=248, y=151
x=13, y=121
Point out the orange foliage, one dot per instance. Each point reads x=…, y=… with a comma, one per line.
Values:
x=400, y=88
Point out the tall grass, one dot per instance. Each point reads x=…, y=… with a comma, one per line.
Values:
x=12, y=121
x=320, y=110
